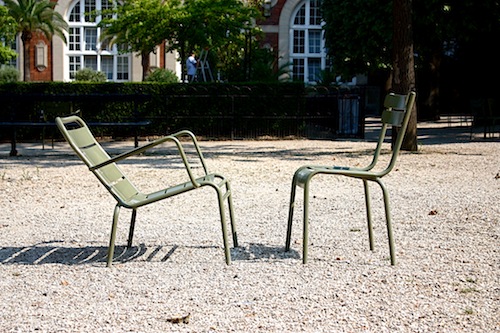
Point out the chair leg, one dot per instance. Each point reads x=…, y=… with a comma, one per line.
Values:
x=221, y=198
x=229, y=194
x=306, y=222
x=132, y=227
x=111, y=248
x=388, y=221
x=290, y=214
x=369, y=215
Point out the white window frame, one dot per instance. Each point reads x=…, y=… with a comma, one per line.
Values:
x=308, y=54
x=77, y=48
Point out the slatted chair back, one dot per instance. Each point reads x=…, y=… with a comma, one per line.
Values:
x=83, y=142
x=395, y=114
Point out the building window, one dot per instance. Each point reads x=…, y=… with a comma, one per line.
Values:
x=122, y=68
x=12, y=62
x=307, y=46
x=85, y=50
x=74, y=65
x=298, y=69
x=90, y=62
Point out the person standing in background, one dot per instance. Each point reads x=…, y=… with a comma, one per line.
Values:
x=191, y=63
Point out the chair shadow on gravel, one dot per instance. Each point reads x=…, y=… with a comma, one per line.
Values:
x=50, y=253
x=257, y=251
x=40, y=254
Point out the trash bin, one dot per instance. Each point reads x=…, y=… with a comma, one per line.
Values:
x=348, y=106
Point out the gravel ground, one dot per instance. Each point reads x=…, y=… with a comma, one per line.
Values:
x=56, y=218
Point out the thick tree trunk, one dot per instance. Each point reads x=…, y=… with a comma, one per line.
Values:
x=26, y=39
x=403, y=79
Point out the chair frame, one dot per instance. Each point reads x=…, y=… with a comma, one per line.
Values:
x=397, y=112
x=105, y=168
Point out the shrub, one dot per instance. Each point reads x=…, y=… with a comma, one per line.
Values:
x=90, y=75
x=162, y=75
x=8, y=74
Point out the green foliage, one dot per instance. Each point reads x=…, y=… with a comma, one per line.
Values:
x=8, y=74
x=162, y=75
x=219, y=25
x=140, y=25
x=459, y=37
x=37, y=16
x=89, y=75
x=216, y=25
x=6, y=54
x=214, y=22
x=7, y=35
x=327, y=78
x=242, y=59
x=358, y=35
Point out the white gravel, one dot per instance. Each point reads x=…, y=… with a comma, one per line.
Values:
x=55, y=222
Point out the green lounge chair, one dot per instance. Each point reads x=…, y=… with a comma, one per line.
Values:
x=127, y=195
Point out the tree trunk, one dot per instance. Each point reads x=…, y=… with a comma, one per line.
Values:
x=145, y=65
x=26, y=39
x=182, y=55
x=403, y=79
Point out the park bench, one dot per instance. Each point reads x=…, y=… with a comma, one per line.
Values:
x=16, y=121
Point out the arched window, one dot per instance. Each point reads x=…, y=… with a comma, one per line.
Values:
x=84, y=48
x=307, y=45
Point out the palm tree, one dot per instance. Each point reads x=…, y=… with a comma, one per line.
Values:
x=35, y=16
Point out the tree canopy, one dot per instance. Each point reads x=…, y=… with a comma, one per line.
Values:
x=7, y=35
x=215, y=25
x=453, y=45
x=358, y=35
x=35, y=16
x=141, y=25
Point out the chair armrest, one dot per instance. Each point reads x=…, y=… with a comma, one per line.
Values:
x=196, y=146
x=174, y=137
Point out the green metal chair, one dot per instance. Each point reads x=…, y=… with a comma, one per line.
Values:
x=397, y=110
x=127, y=195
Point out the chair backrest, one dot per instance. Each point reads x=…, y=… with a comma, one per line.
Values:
x=79, y=137
x=396, y=113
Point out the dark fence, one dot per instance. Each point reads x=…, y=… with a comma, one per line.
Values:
x=213, y=111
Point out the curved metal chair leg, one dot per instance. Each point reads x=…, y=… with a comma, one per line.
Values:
x=111, y=248
x=132, y=227
x=229, y=194
x=388, y=222
x=369, y=215
x=290, y=214
x=227, y=253
x=306, y=222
